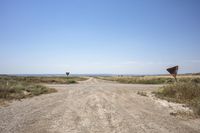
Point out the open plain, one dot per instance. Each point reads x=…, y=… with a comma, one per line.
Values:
x=94, y=106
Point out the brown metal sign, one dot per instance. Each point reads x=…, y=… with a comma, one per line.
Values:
x=67, y=73
x=173, y=71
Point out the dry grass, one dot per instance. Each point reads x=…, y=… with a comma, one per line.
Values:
x=48, y=80
x=139, y=80
x=151, y=79
x=13, y=87
x=182, y=92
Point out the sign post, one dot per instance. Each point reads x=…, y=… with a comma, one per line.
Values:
x=173, y=71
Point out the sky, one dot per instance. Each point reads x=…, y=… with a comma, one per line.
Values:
x=99, y=36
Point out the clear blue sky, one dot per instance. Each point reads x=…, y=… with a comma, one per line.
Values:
x=99, y=36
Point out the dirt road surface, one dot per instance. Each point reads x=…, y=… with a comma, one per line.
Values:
x=93, y=106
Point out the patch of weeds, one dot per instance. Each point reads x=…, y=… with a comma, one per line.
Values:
x=142, y=93
x=12, y=89
x=182, y=92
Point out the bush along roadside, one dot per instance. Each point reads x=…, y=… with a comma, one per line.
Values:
x=12, y=89
x=182, y=92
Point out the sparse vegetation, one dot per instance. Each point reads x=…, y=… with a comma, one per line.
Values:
x=48, y=80
x=142, y=93
x=182, y=92
x=13, y=87
x=150, y=79
x=138, y=80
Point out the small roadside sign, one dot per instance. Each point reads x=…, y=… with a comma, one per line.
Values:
x=173, y=71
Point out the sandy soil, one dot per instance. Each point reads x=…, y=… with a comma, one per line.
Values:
x=93, y=106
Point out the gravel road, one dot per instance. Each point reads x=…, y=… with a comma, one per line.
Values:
x=93, y=106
